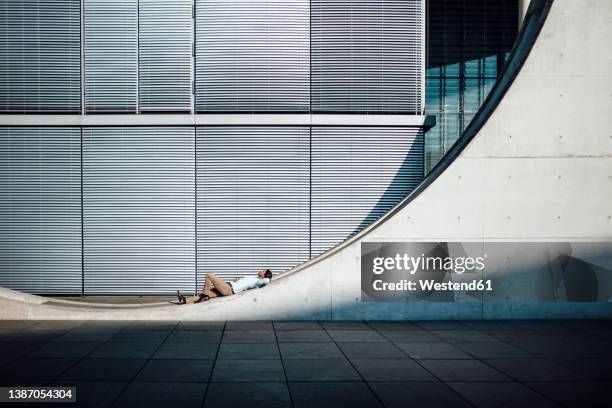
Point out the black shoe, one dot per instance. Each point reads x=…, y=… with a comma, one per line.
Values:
x=181, y=298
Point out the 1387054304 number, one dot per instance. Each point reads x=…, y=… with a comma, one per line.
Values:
x=8, y=394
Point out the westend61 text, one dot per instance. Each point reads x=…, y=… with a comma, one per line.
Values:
x=429, y=284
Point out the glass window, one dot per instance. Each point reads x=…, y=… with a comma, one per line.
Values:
x=467, y=43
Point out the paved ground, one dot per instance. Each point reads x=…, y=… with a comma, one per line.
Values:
x=310, y=364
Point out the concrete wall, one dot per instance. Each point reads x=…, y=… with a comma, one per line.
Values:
x=540, y=169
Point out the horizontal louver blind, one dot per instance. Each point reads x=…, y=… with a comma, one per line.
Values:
x=165, y=46
x=357, y=175
x=139, y=209
x=40, y=209
x=111, y=55
x=252, y=55
x=40, y=56
x=367, y=55
x=253, y=199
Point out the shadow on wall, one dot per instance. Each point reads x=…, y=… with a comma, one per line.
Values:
x=574, y=279
x=567, y=280
x=398, y=188
x=516, y=271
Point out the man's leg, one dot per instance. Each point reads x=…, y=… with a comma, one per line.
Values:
x=207, y=283
x=191, y=299
x=223, y=288
x=212, y=294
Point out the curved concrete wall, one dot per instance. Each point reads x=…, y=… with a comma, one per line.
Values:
x=539, y=169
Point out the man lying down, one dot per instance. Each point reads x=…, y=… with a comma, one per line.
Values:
x=222, y=288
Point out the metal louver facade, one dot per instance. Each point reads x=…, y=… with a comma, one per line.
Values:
x=252, y=55
x=367, y=55
x=40, y=56
x=111, y=55
x=212, y=155
x=40, y=209
x=253, y=199
x=138, y=209
x=165, y=55
x=357, y=175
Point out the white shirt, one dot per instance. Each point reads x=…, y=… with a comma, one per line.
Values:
x=250, y=282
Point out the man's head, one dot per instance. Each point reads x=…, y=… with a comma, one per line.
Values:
x=265, y=273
